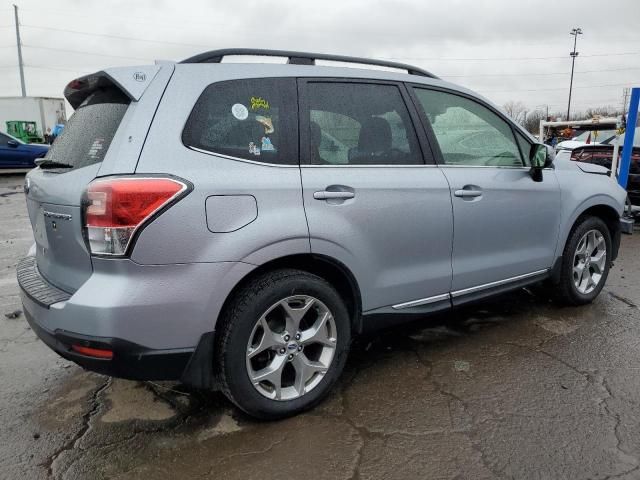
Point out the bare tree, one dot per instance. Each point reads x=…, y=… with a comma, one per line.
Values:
x=532, y=123
x=607, y=111
x=516, y=110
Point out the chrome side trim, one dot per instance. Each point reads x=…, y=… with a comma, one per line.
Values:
x=508, y=167
x=466, y=291
x=346, y=165
x=422, y=301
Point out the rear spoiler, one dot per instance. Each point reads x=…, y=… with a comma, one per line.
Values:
x=133, y=81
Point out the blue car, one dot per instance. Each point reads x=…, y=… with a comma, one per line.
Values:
x=15, y=154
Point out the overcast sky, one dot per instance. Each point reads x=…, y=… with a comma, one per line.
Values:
x=505, y=49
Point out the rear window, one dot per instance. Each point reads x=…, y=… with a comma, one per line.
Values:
x=252, y=119
x=90, y=130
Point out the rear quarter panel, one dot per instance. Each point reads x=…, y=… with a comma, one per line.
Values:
x=181, y=234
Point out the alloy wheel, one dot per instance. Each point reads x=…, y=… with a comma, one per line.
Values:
x=589, y=261
x=291, y=347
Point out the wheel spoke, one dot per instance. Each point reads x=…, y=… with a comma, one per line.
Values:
x=598, y=261
x=318, y=333
x=582, y=248
x=272, y=373
x=305, y=369
x=591, y=242
x=269, y=341
x=579, y=270
x=294, y=315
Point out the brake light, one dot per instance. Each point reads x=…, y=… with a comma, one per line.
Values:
x=115, y=208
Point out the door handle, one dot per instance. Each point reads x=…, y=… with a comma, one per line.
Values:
x=468, y=193
x=333, y=195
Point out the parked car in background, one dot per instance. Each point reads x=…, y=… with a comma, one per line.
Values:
x=15, y=154
x=293, y=207
x=589, y=137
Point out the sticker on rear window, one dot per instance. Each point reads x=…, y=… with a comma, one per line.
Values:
x=259, y=102
x=267, y=146
x=266, y=123
x=253, y=149
x=96, y=148
x=240, y=111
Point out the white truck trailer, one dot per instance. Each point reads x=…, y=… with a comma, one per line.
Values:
x=45, y=111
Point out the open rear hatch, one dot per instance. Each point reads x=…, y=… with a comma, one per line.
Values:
x=55, y=189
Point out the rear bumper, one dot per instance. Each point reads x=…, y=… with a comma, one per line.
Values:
x=158, y=320
x=130, y=361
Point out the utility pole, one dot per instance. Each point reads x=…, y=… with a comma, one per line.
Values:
x=625, y=97
x=575, y=32
x=20, y=64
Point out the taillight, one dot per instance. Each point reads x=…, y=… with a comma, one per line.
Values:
x=115, y=208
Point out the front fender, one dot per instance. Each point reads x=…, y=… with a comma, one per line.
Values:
x=598, y=200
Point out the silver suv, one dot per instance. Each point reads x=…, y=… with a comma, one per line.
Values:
x=235, y=225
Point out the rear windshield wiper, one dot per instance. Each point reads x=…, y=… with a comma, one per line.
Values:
x=52, y=164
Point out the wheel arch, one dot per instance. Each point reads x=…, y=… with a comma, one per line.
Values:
x=603, y=209
x=332, y=270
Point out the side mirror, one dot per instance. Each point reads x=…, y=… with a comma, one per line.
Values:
x=12, y=144
x=539, y=157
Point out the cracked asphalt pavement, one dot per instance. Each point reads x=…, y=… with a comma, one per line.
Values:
x=517, y=387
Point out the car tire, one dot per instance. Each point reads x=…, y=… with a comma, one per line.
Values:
x=262, y=312
x=571, y=289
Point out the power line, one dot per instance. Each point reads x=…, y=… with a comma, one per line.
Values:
x=559, y=88
x=537, y=74
x=488, y=59
x=41, y=67
x=145, y=20
x=85, y=52
x=77, y=32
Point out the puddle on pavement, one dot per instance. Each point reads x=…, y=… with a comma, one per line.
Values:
x=143, y=417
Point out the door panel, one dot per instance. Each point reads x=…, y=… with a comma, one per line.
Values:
x=9, y=156
x=505, y=224
x=394, y=234
x=511, y=229
x=371, y=201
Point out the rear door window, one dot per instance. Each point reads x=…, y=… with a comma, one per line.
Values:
x=90, y=130
x=251, y=119
x=359, y=124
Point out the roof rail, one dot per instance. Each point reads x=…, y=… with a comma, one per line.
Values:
x=301, y=58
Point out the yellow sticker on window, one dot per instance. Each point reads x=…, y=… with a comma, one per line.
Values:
x=259, y=102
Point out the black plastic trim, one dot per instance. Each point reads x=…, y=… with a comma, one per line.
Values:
x=301, y=58
x=130, y=360
x=35, y=286
x=387, y=317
